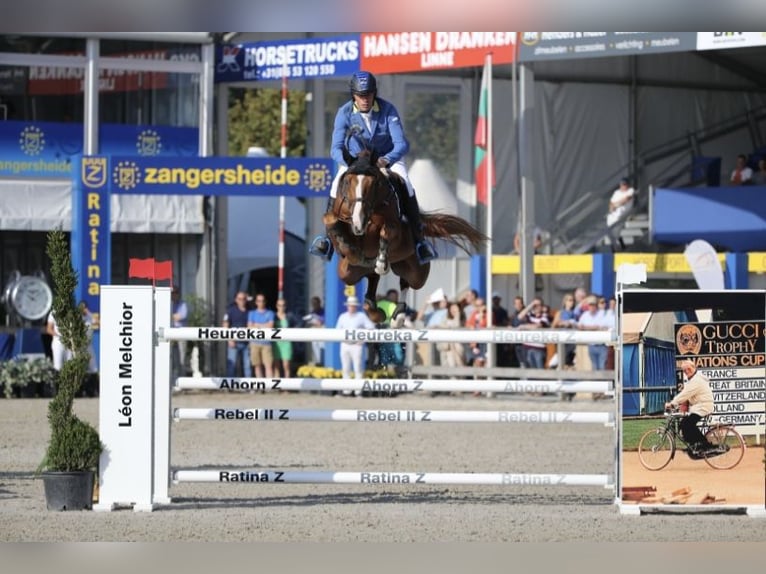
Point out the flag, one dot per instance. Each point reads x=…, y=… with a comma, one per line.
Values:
x=483, y=163
x=150, y=269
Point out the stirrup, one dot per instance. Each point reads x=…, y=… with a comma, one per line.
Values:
x=425, y=252
x=322, y=247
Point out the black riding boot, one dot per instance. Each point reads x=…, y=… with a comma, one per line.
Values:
x=423, y=249
x=322, y=246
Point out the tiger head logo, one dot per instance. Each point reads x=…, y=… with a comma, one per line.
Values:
x=689, y=340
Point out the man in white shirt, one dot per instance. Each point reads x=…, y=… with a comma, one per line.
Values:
x=742, y=173
x=621, y=202
x=351, y=351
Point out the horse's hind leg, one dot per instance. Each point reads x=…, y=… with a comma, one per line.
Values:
x=381, y=262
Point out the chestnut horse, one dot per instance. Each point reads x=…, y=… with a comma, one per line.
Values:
x=367, y=229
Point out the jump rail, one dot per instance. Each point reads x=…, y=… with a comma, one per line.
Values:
x=391, y=386
x=135, y=406
x=452, y=478
x=386, y=415
x=331, y=335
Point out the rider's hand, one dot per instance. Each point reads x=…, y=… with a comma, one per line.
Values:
x=382, y=162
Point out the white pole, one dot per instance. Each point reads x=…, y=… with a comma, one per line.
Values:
x=330, y=334
x=282, y=154
x=389, y=416
x=391, y=387
x=489, y=191
x=254, y=475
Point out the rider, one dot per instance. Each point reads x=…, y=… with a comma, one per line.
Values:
x=377, y=123
x=700, y=397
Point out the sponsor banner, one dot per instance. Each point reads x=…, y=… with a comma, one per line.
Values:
x=536, y=46
x=91, y=216
x=724, y=40
x=299, y=177
x=732, y=355
x=56, y=81
x=46, y=149
x=395, y=52
x=305, y=58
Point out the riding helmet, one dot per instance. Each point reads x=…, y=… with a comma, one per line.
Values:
x=363, y=83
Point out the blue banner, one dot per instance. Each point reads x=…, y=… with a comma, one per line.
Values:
x=47, y=149
x=305, y=58
x=299, y=177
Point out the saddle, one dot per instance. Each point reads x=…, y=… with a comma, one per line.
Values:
x=399, y=188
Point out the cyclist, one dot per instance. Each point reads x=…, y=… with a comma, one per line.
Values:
x=697, y=393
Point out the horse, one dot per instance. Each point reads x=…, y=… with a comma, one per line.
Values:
x=369, y=232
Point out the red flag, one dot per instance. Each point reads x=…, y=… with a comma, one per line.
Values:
x=483, y=163
x=163, y=270
x=141, y=268
x=150, y=269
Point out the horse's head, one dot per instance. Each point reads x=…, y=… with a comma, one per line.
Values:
x=361, y=189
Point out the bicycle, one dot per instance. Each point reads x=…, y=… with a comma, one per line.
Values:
x=657, y=447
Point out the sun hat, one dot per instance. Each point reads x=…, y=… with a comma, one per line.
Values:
x=352, y=301
x=437, y=296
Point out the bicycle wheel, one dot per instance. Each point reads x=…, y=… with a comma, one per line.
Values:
x=655, y=449
x=729, y=447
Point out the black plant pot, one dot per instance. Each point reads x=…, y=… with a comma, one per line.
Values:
x=69, y=490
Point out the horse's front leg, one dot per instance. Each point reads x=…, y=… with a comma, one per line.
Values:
x=381, y=262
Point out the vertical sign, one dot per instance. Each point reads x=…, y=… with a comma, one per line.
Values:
x=91, y=244
x=126, y=397
x=732, y=356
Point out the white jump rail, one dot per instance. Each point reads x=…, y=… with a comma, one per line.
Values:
x=391, y=386
x=272, y=414
x=385, y=477
x=331, y=335
x=135, y=406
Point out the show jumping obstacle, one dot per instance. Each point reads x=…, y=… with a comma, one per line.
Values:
x=135, y=401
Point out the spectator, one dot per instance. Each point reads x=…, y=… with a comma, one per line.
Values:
x=515, y=321
x=60, y=353
x=581, y=303
x=283, y=350
x=179, y=312
x=595, y=320
x=434, y=310
x=759, y=177
x=621, y=202
x=261, y=354
x=477, y=352
x=741, y=174
x=533, y=317
x=315, y=319
x=565, y=319
x=500, y=319
x=237, y=353
x=467, y=302
x=351, y=351
x=452, y=354
x=537, y=240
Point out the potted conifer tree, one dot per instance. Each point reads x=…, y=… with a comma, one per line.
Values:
x=71, y=458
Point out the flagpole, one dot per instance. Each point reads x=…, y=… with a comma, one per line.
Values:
x=488, y=226
x=282, y=154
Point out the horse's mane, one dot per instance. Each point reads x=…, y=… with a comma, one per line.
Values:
x=363, y=164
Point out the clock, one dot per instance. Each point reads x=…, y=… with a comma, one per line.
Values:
x=30, y=297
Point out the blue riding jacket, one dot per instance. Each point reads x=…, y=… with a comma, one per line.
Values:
x=385, y=136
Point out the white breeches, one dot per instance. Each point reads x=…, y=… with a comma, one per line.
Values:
x=60, y=353
x=351, y=354
x=398, y=168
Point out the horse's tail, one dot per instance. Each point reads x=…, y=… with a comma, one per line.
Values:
x=453, y=229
